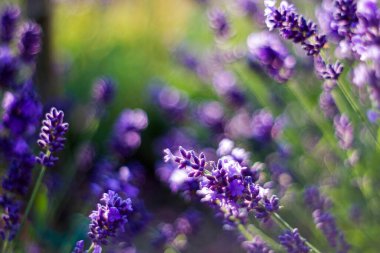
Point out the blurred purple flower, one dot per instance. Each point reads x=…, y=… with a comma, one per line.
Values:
x=344, y=131
x=293, y=242
x=30, y=42
x=103, y=91
x=256, y=245
x=8, y=22
x=8, y=68
x=126, y=131
x=219, y=23
x=269, y=52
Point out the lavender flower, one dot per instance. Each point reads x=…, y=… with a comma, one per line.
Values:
x=109, y=217
x=171, y=101
x=21, y=112
x=344, y=131
x=19, y=175
x=268, y=51
x=8, y=68
x=256, y=245
x=10, y=217
x=79, y=247
x=126, y=132
x=225, y=84
x=327, y=104
x=262, y=125
x=324, y=220
x=103, y=90
x=327, y=71
x=345, y=18
x=211, y=114
x=8, y=21
x=293, y=26
x=219, y=23
x=30, y=42
x=293, y=242
x=365, y=41
x=52, y=137
x=227, y=186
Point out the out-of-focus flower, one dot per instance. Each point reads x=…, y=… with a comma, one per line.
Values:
x=8, y=68
x=126, y=131
x=103, y=90
x=171, y=101
x=226, y=86
x=256, y=245
x=219, y=23
x=293, y=242
x=269, y=52
x=8, y=21
x=211, y=114
x=21, y=112
x=344, y=131
x=30, y=42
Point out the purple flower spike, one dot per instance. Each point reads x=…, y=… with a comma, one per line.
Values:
x=52, y=137
x=293, y=26
x=30, y=42
x=256, y=245
x=219, y=23
x=109, y=218
x=8, y=67
x=79, y=247
x=344, y=131
x=268, y=51
x=345, y=18
x=103, y=90
x=293, y=242
x=8, y=22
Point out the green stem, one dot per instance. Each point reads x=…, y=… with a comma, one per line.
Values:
x=355, y=107
x=91, y=249
x=5, y=246
x=284, y=225
x=34, y=194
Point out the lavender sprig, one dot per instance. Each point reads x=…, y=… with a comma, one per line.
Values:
x=51, y=140
x=52, y=137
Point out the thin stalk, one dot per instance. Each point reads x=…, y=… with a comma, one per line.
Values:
x=284, y=225
x=91, y=248
x=5, y=246
x=34, y=194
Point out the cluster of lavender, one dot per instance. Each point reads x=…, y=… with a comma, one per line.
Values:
x=20, y=114
x=176, y=235
x=227, y=185
x=324, y=220
x=107, y=220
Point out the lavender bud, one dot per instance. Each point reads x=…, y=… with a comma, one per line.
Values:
x=293, y=242
x=103, y=90
x=109, y=217
x=219, y=23
x=344, y=131
x=52, y=137
x=8, y=21
x=30, y=42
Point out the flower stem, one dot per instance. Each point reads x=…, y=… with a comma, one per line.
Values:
x=91, y=249
x=34, y=194
x=284, y=225
x=5, y=246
